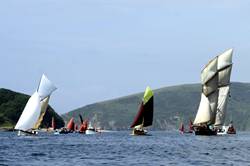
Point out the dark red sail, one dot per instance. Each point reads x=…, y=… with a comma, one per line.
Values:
x=144, y=116
x=83, y=126
x=139, y=117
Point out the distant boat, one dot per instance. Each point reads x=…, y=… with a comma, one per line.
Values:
x=182, y=128
x=144, y=117
x=91, y=129
x=215, y=78
x=70, y=128
x=191, y=128
x=83, y=126
x=35, y=108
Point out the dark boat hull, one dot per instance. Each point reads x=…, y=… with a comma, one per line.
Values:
x=231, y=130
x=204, y=131
x=139, y=132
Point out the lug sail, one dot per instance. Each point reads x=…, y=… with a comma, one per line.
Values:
x=224, y=68
x=222, y=106
x=30, y=113
x=224, y=76
x=71, y=125
x=204, y=112
x=225, y=59
x=213, y=101
x=209, y=77
x=145, y=113
x=44, y=105
x=45, y=88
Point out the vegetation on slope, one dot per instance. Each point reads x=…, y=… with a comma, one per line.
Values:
x=172, y=105
x=12, y=105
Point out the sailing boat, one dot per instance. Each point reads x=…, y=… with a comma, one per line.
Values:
x=215, y=79
x=182, y=129
x=144, y=117
x=71, y=125
x=191, y=129
x=35, y=108
x=83, y=126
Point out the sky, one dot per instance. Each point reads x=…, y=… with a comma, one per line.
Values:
x=95, y=50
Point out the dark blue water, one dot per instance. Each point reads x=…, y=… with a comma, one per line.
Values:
x=119, y=148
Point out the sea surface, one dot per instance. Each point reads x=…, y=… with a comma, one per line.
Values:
x=120, y=148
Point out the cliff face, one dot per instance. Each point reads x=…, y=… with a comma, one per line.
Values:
x=172, y=105
x=11, y=107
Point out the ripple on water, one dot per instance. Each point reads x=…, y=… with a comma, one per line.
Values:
x=119, y=148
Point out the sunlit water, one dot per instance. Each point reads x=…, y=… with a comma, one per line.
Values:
x=120, y=148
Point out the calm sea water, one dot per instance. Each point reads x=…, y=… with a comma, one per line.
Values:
x=119, y=148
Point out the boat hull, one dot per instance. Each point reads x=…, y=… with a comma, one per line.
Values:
x=90, y=131
x=206, y=131
x=139, y=132
x=226, y=130
x=27, y=133
x=231, y=130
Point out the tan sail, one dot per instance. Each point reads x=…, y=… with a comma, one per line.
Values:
x=44, y=106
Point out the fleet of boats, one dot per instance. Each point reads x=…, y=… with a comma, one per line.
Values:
x=209, y=120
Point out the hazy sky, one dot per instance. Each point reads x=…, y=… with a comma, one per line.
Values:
x=95, y=50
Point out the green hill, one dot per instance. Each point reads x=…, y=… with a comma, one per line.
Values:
x=172, y=105
x=12, y=105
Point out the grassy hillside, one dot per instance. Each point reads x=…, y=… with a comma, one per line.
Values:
x=172, y=105
x=12, y=105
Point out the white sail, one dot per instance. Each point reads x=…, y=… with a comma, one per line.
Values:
x=225, y=59
x=222, y=106
x=204, y=112
x=210, y=86
x=224, y=76
x=213, y=101
x=209, y=71
x=45, y=88
x=214, y=77
x=30, y=113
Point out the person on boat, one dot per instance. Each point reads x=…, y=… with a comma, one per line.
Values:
x=231, y=129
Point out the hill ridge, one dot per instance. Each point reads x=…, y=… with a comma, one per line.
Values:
x=172, y=105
